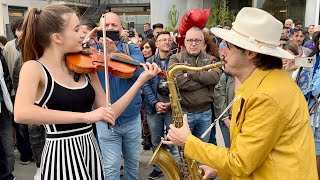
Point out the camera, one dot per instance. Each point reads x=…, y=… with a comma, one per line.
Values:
x=112, y=34
x=304, y=62
x=163, y=88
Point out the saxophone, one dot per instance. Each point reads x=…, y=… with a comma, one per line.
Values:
x=161, y=157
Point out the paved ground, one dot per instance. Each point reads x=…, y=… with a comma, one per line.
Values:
x=26, y=172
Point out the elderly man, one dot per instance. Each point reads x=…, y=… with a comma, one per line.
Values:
x=289, y=24
x=125, y=139
x=196, y=87
x=270, y=132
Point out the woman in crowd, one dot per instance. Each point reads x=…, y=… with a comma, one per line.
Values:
x=49, y=95
x=148, y=48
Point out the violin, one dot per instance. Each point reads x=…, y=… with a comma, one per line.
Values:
x=90, y=60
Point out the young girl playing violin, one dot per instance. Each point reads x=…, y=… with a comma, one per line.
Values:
x=48, y=95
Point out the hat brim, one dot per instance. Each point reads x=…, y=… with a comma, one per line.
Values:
x=252, y=45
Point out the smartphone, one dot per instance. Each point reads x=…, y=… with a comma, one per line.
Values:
x=130, y=29
x=112, y=34
x=304, y=62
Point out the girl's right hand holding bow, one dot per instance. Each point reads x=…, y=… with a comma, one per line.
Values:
x=101, y=114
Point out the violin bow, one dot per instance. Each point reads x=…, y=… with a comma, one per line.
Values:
x=106, y=71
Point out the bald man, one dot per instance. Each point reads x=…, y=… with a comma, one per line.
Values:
x=125, y=139
x=288, y=23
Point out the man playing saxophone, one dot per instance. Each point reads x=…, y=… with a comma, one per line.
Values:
x=270, y=132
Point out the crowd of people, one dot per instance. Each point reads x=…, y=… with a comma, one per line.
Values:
x=68, y=128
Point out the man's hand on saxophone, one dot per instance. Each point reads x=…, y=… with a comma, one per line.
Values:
x=209, y=172
x=178, y=136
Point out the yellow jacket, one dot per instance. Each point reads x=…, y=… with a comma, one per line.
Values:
x=270, y=133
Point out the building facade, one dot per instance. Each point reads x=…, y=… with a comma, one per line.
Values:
x=305, y=11
x=137, y=11
x=156, y=11
x=12, y=9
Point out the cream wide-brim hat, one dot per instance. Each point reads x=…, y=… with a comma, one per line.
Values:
x=255, y=30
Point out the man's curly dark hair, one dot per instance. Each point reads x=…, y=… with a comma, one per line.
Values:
x=16, y=25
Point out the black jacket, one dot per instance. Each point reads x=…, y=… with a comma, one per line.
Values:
x=6, y=75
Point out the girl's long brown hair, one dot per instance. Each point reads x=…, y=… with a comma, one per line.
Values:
x=37, y=28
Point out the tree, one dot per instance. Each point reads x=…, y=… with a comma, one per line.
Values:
x=173, y=16
x=220, y=14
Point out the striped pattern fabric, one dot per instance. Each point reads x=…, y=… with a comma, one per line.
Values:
x=71, y=158
x=71, y=151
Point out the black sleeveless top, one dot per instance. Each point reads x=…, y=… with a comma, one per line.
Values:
x=59, y=97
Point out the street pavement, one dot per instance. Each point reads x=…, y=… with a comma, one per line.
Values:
x=26, y=172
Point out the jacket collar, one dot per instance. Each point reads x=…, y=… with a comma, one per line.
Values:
x=187, y=57
x=251, y=84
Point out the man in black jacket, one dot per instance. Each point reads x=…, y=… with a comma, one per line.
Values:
x=6, y=139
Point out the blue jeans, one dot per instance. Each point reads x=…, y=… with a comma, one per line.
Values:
x=125, y=140
x=212, y=138
x=316, y=135
x=199, y=123
x=225, y=133
x=6, y=145
x=156, y=124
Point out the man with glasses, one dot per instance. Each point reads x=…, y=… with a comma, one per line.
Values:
x=157, y=103
x=196, y=88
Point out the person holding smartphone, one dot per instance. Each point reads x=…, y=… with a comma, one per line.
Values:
x=125, y=139
x=309, y=82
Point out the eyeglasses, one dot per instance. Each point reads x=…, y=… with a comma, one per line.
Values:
x=228, y=45
x=165, y=40
x=196, y=41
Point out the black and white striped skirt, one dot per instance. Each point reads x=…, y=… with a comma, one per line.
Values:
x=71, y=156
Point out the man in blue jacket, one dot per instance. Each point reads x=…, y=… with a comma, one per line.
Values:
x=125, y=138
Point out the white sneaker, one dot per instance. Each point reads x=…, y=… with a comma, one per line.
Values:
x=37, y=176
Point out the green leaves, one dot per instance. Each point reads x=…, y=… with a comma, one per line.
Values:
x=173, y=16
x=220, y=14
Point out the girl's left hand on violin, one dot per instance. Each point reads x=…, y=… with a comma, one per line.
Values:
x=150, y=70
